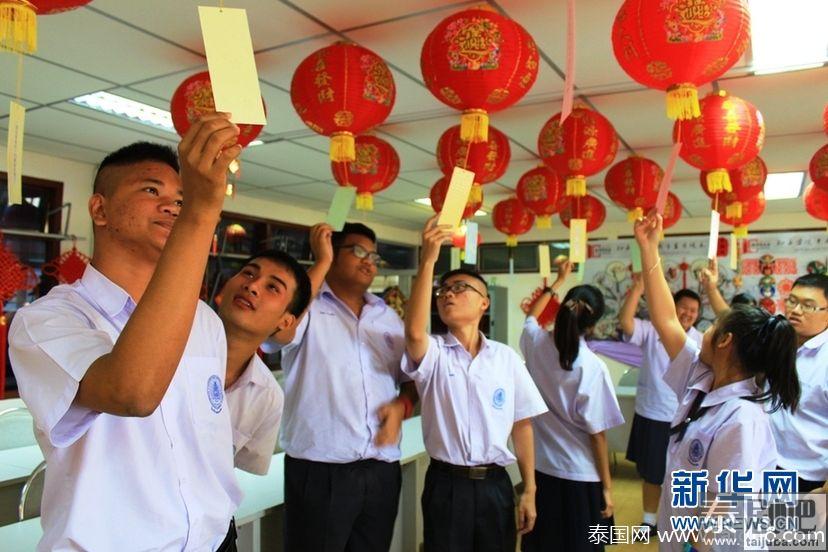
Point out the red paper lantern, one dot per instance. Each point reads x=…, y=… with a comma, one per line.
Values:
x=340, y=91
x=747, y=182
x=752, y=209
x=729, y=133
x=816, y=202
x=818, y=168
x=478, y=61
x=458, y=239
x=672, y=211
x=488, y=159
x=512, y=218
x=633, y=184
x=49, y=7
x=438, y=197
x=677, y=45
x=375, y=168
x=583, y=146
x=587, y=207
x=194, y=98
x=540, y=190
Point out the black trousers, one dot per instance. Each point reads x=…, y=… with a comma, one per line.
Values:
x=804, y=485
x=468, y=515
x=229, y=542
x=340, y=507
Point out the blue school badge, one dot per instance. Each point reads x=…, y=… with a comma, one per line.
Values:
x=215, y=393
x=499, y=398
x=695, y=452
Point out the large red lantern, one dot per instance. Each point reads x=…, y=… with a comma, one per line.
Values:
x=587, y=207
x=375, y=168
x=458, y=239
x=672, y=211
x=677, y=45
x=818, y=168
x=438, y=197
x=816, y=202
x=488, y=160
x=478, y=61
x=633, y=184
x=752, y=209
x=583, y=146
x=512, y=218
x=194, y=98
x=729, y=133
x=340, y=91
x=747, y=182
x=50, y=7
x=540, y=190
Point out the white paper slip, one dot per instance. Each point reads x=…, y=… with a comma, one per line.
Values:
x=470, y=256
x=232, y=66
x=340, y=207
x=635, y=256
x=734, y=252
x=454, y=259
x=457, y=196
x=544, y=261
x=14, y=153
x=713, y=246
x=577, y=240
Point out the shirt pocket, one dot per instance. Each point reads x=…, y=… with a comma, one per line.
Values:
x=813, y=398
x=205, y=389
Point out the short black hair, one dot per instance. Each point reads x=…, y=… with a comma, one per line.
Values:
x=338, y=238
x=465, y=272
x=689, y=293
x=743, y=299
x=302, y=295
x=819, y=281
x=132, y=154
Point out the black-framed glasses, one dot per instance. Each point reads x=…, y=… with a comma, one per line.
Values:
x=362, y=253
x=792, y=302
x=456, y=288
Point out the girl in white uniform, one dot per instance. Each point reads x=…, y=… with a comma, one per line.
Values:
x=721, y=423
x=572, y=463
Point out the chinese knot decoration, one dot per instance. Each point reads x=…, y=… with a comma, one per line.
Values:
x=194, y=98
x=488, y=160
x=512, y=218
x=478, y=61
x=583, y=146
x=438, y=197
x=678, y=45
x=375, y=168
x=818, y=168
x=729, y=133
x=747, y=182
x=14, y=275
x=68, y=267
x=340, y=91
x=587, y=207
x=540, y=190
x=18, y=21
x=752, y=209
x=633, y=184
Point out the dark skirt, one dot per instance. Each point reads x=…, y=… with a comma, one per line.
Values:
x=566, y=511
x=647, y=447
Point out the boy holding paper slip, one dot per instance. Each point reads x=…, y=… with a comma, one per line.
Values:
x=475, y=393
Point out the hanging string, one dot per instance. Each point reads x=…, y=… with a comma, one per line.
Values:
x=18, y=88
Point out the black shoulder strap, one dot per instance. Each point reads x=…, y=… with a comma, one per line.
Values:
x=693, y=414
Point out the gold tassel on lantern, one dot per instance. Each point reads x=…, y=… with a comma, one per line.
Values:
x=511, y=240
x=18, y=26
x=576, y=186
x=342, y=147
x=544, y=222
x=683, y=102
x=740, y=231
x=474, y=126
x=365, y=201
x=718, y=180
x=635, y=214
x=476, y=193
x=734, y=210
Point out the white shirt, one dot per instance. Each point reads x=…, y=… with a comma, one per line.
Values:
x=163, y=482
x=653, y=399
x=733, y=434
x=469, y=405
x=339, y=370
x=255, y=401
x=581, y=403
x=805, y=432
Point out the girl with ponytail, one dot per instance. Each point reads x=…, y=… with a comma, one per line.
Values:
x=745, y=367
x=574, y=487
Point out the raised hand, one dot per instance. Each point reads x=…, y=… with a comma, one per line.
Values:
x=320, y=242
x=432, y=238
x=710, y=275
x=648, y=230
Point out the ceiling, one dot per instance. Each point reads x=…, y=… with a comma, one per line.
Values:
x=143, y=50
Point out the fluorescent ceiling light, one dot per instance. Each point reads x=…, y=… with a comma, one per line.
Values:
x=789, y=35
x=125, y=108
x=480, y=213
x=786, y=185
x=255, y=143
x=427, y=201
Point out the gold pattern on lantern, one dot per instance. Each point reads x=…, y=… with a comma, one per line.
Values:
x=497, y=95
x=450, y=95
x=379, y=84
x=575, y=164
x=552, y=138
x=367, y=159
x=693, y=20
x=343, y=118
x=536, y=188
x=659, y=70
x=474, y=44
x=699, y=141
x=325, y=95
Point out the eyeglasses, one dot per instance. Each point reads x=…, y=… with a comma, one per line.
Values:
x=456, y=288
x=792, y=302
x=362, y=253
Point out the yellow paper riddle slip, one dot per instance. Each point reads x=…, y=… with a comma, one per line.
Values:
x=456, y=198
x=577, y=240
x=14, y=153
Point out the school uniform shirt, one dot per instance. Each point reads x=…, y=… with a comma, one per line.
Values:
x=581, y=403
x=469, y=405
x=256, y=402
x=162, y=482
x=805, y=432
x=734, y=434
x=653, y=399
x=339, y=370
